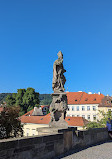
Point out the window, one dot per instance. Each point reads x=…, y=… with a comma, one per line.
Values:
x=88, y=117
x=88, y=107
x=75, y=100
x=83, y=108
x=94, y=108
x=83, y=116
x=94, y=117
x=72, y=108
x=33, y=132
x=77, y=108
x=77, y=115
x=73, y=115
x=68, y=115
x=86, y=99
x=68, y=108
x=27, y=131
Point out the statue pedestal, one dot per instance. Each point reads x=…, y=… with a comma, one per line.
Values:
x=58, y=109
x=50, y=131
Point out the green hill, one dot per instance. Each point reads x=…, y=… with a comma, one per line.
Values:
x=45, y=99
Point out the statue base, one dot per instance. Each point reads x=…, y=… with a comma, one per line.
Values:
x=58, y=109
x=49, y=131
x=58, y=124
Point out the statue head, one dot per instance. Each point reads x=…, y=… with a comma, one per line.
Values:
x=60, y=55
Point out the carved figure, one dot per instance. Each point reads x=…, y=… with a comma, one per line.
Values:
x=58, y=74
x=58, y=106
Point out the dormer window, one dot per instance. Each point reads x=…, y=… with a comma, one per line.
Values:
x=75, y=100
x=86, y=99
x=94, y=99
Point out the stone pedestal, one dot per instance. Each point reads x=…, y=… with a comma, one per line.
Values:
x=51, y=131
x=58, y=109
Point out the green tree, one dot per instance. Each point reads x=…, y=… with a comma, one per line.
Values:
x=101, y=123
x=25, y=99
x=105, y=117
x=19, y=97
x=10, y=125
x=30, y=98
x=11, y=99
x=94, y=125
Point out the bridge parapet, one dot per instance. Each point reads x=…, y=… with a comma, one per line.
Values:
x=49, y=146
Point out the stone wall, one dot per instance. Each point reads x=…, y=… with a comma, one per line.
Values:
x=50, y=145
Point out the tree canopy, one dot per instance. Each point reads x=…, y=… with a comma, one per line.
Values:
x=102, y=122
x=25, y=98
x=10, y=125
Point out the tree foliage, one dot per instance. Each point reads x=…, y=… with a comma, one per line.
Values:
x=10, y=125
x=25, y=98
x=94, y=125
x=30, y=98
x=102, y=122
x=11, y=99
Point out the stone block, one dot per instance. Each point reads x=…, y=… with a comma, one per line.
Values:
x=68, y=138
x=59, y=147
x=50, y=138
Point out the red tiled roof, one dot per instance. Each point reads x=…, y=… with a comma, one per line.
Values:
x=84, y=98
x=29, y=113
x=74, y=97
x=72, y=121
x=35, y=119
x=76, y=121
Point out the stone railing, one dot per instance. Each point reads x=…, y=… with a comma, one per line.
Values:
x=49, y=146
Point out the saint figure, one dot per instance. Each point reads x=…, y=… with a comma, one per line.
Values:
x=58, y=74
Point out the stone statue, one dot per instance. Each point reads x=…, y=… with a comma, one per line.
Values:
x=58, y=106
x=58, y=77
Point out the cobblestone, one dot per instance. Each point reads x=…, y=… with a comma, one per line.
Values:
x=102, y=151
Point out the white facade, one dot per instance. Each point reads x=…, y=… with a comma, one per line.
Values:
x=87, y=111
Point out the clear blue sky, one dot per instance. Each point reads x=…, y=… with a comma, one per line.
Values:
x=33, y=31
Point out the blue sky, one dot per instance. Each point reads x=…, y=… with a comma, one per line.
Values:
x=32, y=33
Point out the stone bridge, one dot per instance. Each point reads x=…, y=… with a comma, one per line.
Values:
x=67, y=142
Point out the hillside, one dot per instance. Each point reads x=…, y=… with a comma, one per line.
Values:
x=45, y=99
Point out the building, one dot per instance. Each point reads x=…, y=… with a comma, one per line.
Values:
x=105, y=106
x=86, y=105
x=32, y=123
x=45, y=109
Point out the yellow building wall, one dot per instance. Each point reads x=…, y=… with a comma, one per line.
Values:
x=29, y=129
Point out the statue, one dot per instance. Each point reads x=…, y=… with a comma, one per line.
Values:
x=58, y=77
x=58, y=106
